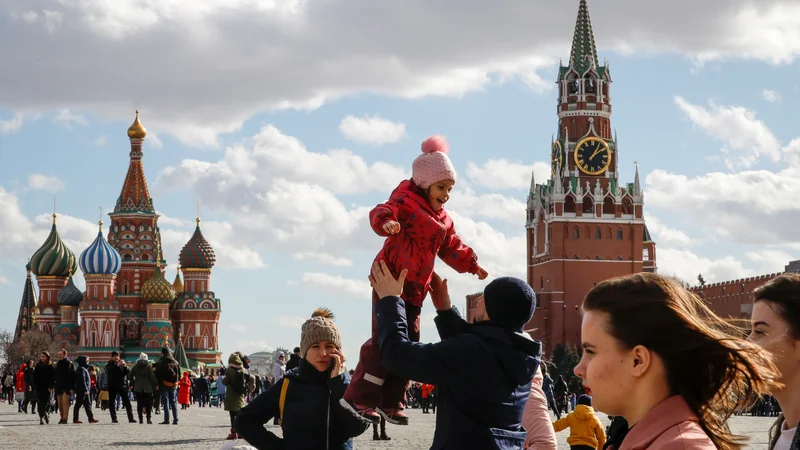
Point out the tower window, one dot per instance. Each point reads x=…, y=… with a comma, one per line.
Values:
x=576, y=234
x=125, y=287
x=598, y=234
x=619, y=235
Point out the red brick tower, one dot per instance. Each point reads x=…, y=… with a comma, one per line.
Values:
x=135, y=235
x=196, y=310
x=583, y=226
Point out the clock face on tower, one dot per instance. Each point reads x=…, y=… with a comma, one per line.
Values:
x=592, y=156
x=557, y=157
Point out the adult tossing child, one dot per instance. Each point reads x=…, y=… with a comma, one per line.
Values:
x=482, y=371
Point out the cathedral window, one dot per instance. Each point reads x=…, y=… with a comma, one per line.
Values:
x=576, y=233
x=125, y=286
x=598, y=234
x=619, y=234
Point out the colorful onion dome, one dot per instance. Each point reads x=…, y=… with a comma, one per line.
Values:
x=70, y=295
x=53, y=258
x=157, y=289
x=137, y=130
x=197, y=253
x=100, y=257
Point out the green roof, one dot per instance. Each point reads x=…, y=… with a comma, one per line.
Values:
x=583, y=55
x=646, y=235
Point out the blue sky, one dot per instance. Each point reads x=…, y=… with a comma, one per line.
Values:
x=288, y=128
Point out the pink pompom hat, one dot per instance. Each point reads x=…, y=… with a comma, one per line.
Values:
x=433, y=165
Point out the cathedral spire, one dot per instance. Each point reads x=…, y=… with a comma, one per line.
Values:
x=637, y=187
x=135, y=196
x=26, y=307
x=584, y=51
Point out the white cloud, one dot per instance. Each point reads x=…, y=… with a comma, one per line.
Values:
x=100, y=141
x=771, y=96
x=154, y=141
x=84, y=50
x=67, y=118
x=164, y=219
x=4, y=280
x=238, y=327
x=687, y=265
x=291, y=321
x=45, y=183
x=324, y=258
x=249, y=346
x=490, y=206
x=371, y=130
x=745, y=138
x=11, y=125
x=666, y=236
x=503, y=174
x=327, y=282
x=230, y=249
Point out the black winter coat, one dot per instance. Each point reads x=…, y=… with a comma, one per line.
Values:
x=44, y=377
x=482, y=375
x=117, y=374
x=65, y=376
x=313, y=417
x=83, y=382
x=293, y=362
x=27, y=377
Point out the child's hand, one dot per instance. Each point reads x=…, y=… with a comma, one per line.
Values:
x=482, y=273
x=391, y=227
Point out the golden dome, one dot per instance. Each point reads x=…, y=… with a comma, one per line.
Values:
x=137, y=131
x=157, y=289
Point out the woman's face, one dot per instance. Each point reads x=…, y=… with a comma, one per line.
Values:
x=320, y=355
x=604, y=365
x=773, y=334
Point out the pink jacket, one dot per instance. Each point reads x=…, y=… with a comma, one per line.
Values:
x=671, y=425
x=536, y=418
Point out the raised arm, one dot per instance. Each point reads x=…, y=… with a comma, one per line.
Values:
x=456, y=254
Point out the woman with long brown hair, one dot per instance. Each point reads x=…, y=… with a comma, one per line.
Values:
x=656, y=355
x=775, y=325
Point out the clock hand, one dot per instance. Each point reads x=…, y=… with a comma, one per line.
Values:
x=596, y=152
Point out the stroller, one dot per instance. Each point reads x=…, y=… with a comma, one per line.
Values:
x=213, y=397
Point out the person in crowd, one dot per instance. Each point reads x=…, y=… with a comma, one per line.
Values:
x=20, y=388
x=382, y=436
x=64, y=381
x=308, y=398
x=81, y=390
x=235, y=381
x=655, y=354
x=117, y=377
x=167, y=373
x=585, y=430
x=144, y=383
x=560, y=391
x=93, y=387
x=200, y=386
x=540, y=434
x=481, y=405
x=30, y=388
x=417, y=230
x=8, y=386
x=156, y=403
x=44, y=379
x=547, y=387
x=184, y=387
x=221, y=390
x=294, y=359
x=278, y=370
x=775, y=326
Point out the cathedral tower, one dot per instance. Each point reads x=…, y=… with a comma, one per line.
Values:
x=196, y=310
x=583, y=225
x=52, y=264
x=135, y=235
x=26, y=307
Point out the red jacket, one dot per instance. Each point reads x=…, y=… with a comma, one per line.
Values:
x=424, y=234
x=20, y=381
x=184, y=389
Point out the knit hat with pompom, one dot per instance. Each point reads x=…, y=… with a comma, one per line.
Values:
x=433, y=165
x=320, y=327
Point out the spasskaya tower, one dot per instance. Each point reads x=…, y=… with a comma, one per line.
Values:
x=583, y=225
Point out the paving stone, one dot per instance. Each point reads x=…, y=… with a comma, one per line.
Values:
x=206, y=428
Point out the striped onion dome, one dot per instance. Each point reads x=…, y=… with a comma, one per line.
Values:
x=157, y=289
x=100, y=257
x=53, y=258
x=70, y=295
x=197, y=253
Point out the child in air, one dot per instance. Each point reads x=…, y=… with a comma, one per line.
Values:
x=417, y=229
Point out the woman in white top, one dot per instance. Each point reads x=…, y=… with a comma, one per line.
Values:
x=775, y=326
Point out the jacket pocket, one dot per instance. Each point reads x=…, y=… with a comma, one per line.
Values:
x=508, y=439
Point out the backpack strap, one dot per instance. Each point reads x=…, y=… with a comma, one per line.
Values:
x=282, y=401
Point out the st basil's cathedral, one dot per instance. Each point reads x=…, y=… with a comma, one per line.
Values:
x=128, y=306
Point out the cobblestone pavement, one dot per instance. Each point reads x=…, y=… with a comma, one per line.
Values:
x=205, y=428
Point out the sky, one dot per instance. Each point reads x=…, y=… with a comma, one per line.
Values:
x=288, y=120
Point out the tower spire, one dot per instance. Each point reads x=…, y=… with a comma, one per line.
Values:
x=583, y=55
x=135, y=196
x=637, y=187
x=25, y=319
